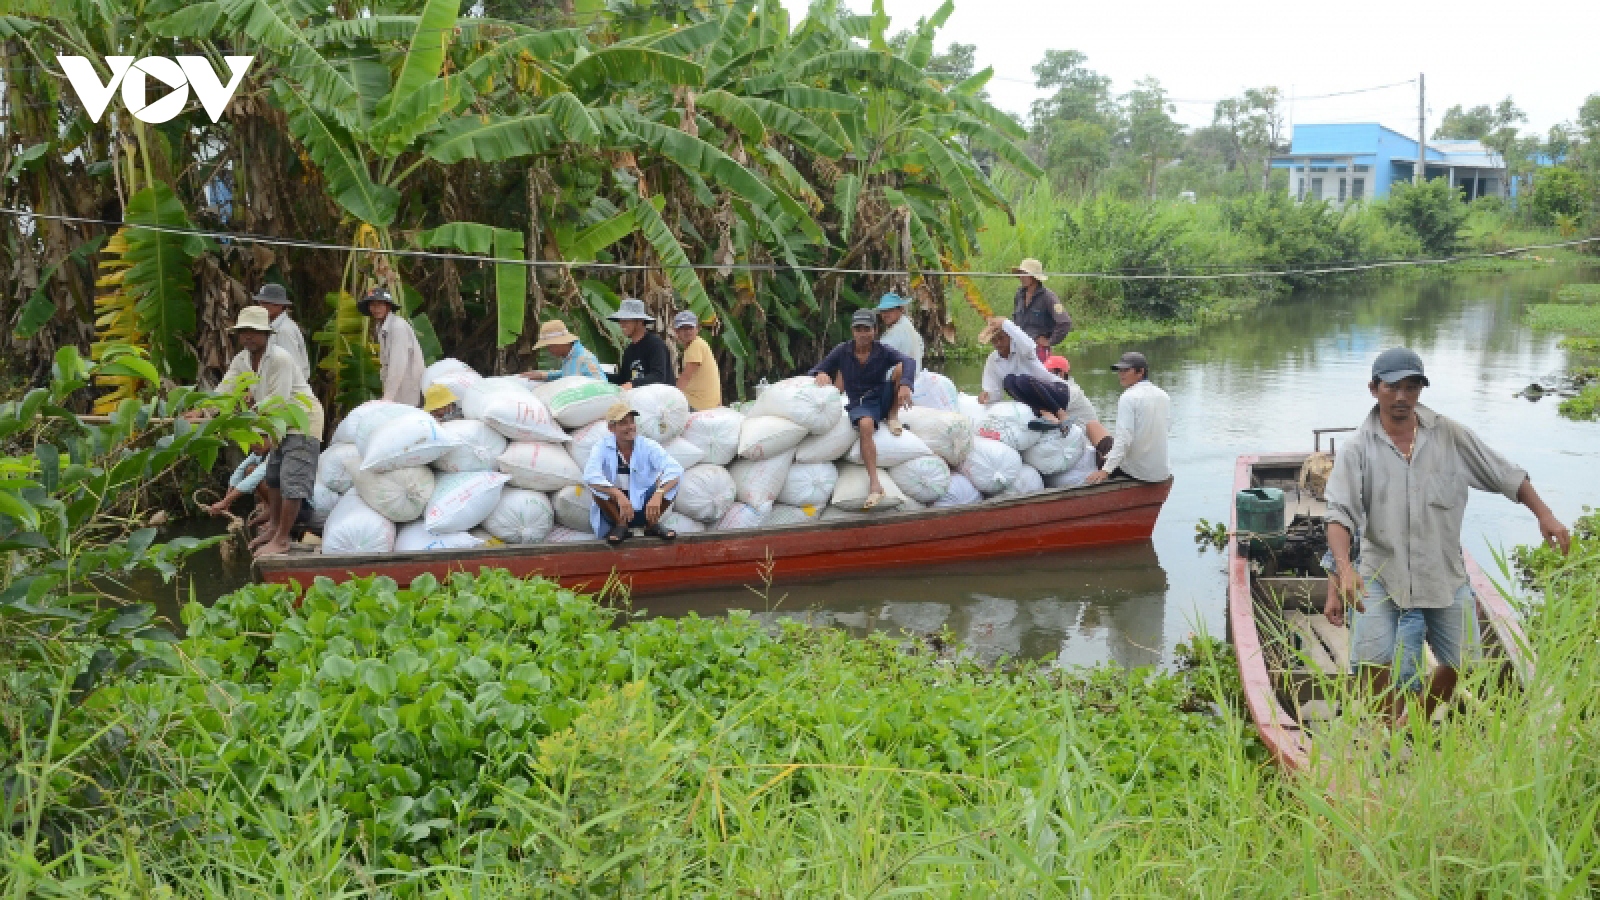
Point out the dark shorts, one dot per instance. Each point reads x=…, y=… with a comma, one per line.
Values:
x=292, y=467
x=1040, y=396
x=875, y=404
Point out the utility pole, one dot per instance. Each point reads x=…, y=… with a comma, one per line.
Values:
x=1422, y=131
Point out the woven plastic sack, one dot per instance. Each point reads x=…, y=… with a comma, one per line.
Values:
x=934, y=391
x=924, y=479
x=757, y=483
x=576, y=401
x=851, y=490
x=337, y=467
x=829, y=446
x=716, y=433
x=763, y=437
x=783, y=514
x=809, y=484
x=323, y=501
x=705, y=493
x=892, y=451
x=412, y=439
x=948, y=434
x=399, y=496
x=960, y=492
x=521, y=517
x=992, y=467
x=802, y=401
x=1029, y=481
x=415, y=537
x=1057, y=452
x=449, y=372
x=740, y=516
x=539, y=467
x=687, y=454
x=682, y=524
x=663, y=411
x=561, y=535
x=1008, y=423
x=462, y=500
x=968, y=406
x=480, y=446
x=355, y=527
x=572, y=506
x=365, y=419
x=1074, y=476
x=510, y=408
x=585, y=439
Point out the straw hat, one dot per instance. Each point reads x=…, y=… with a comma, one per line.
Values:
x=253, y=318
x=990, y=329
x=1032, y=268
x=554, y=332
x=437, y=396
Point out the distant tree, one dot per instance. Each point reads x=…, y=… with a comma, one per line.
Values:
x=1433, y=211
x=1558, y=143
x=1255, y=121
x=1479, y=122
x=1151, y=135
x=1589, y=128
x=1075, y=151
x=1078, y=93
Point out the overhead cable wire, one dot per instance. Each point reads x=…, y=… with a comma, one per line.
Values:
x=267, y=240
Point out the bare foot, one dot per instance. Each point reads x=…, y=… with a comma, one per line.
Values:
x=273, y=548
x=874, y=494
x=261, y=539
x=256, y=516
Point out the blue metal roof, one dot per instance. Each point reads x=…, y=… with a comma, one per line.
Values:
x=1356, y=138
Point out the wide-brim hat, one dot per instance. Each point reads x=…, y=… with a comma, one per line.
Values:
x=274, y=294
x=253, y=318
x=631, y=309
x=373, y=296
x=990, y=329
x=891, y=301
x=554, y=332
x=1032, y=268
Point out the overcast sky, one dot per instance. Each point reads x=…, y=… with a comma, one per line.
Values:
x=1471, y=51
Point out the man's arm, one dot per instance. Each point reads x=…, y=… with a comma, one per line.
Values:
x=829, y=365
x=1487, y=470
x=993, y=385
x=1550, y=528
x=624, y=365
x=1127, y=418
x=687, y=375
x=1348, y=581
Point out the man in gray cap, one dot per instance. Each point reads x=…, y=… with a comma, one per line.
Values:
x=285, y=333
x=1401, y=483
x=701, y=379
x=1139, y=443
x=876, y=380
x=646, y=359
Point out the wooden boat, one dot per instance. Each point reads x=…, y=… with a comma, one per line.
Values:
x=1115, y=511
x=1288, y=652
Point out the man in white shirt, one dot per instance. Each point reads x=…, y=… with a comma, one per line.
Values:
x=285, y=333
x=400, y=361
x=1014, y=370
x=898, y=332
x=1139, y=447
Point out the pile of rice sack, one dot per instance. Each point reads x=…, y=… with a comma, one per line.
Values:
x=511, y=471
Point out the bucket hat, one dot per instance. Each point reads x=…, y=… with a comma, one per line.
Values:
x=554, y=332
x=1032, y=268
x=253, y=318
x=274, y=294
x=373, y=296
x=631, y=309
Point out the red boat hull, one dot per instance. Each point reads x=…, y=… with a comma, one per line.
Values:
x=1114, y=512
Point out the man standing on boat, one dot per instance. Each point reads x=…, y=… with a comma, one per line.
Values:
x=400, y=362
x=285, y=333
x=646, y=359
x=1401, y=483
x=898, y=332
x=632, y=478
x=1139, y=447
x=1014, y=369
x=876, y=381
x=700, y=380
x=1038, y=311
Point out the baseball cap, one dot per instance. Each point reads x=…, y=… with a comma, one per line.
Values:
x=1398, y=363
x=620, y=410
x=685, y=319
x=864, y=317
x=1133, y=359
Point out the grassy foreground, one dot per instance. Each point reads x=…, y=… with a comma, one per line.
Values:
x=490, y=737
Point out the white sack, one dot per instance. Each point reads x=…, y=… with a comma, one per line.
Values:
x=1029, y=481
x=399, y=496
x=485, y=538
x=521, y=517
x=949, y=434
x=892, y=451
x=924, y=479
x=513, y=410
x=560, y=535
x=462, y=500
x=459, y=383
x=1057, y=452
x=1008, y=423
x=415, y=536
x=447, y=366
x=480, y=447
x=1074, y=476
x=716, y=433
x=585, y=439
x=851, y=490
x=829, y=446
x=682, y=524
x=968, y=406
x=783, y=514
x=801, y=400
x=757, y=483
x=355, y=527
x=934, y=391
x=705, y=493
x=337, y=467
x=809, y=484
x=412, y=439
x=740, y=516
x=663, y=411
x=365, y=419
x=960, y=493
x=539, y=467
x=687, y=454
x=763, y=437
x=576, y=401
x=572, y=507
x=992, y=467
x=323, y=501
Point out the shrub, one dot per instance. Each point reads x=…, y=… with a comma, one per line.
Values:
x=1433, y=211
x=1116, y=236
x=1560, y=193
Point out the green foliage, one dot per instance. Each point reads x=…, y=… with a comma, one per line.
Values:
x=1113, y=236
x=1581, y=320
x=159, y=281
x=1560, y=192
x=1433, y=211
x=1584, y=405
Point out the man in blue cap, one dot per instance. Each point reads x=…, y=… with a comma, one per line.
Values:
x=898, y=332
x=1401, y=483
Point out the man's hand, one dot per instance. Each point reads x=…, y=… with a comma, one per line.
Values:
x=214, y=509
x=1097, y=476
x=983, y=397
x=1351, y=589
x=624, y=506
x=533, y=376
x=823, y=380
x=652, y=509
x=904, y=396
x=1555, y=533
x=627, y=385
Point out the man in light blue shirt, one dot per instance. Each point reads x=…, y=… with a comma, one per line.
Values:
x=565, y=346
x=632, y=478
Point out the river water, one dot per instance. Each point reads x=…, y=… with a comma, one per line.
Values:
x=1258, y=384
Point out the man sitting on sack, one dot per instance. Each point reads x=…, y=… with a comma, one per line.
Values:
x=576, y=359
x=632, y=478
x=876, y=381
x=1014, y=369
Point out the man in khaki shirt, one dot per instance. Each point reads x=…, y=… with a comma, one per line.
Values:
x=1401, y=482
x=400, y=361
